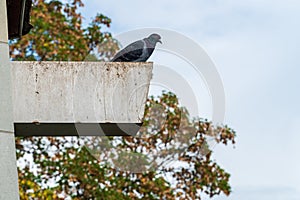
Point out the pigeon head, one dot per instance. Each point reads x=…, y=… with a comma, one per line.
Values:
x=154, y=38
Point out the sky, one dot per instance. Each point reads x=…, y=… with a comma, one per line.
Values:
x=255, y=47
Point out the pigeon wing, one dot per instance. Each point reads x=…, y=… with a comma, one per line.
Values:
x=130, y=53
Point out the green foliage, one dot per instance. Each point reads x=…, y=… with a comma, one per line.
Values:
x=85, y=168
x=58, y=35
x=83, y=172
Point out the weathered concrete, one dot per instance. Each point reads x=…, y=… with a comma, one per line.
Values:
x=3, y=22
x=9, y=189
x=6, y=113
x=80, y=92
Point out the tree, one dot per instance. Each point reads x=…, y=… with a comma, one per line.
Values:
x=58, y=35
x=62, y=167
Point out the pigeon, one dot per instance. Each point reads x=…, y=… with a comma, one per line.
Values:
x=138, y=51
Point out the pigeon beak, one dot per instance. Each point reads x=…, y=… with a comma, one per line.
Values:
x=159, y=41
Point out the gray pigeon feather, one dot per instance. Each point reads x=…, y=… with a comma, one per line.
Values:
x=138, y=51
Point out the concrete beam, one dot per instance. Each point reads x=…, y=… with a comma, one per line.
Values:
x=71, y=93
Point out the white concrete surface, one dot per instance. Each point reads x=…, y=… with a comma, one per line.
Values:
x=3, y=22
x=9, y=189
x=6, y=113
x=50, y=92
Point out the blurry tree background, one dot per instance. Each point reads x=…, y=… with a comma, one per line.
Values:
x=73, y=168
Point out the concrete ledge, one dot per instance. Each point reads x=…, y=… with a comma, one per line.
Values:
x=55, y=98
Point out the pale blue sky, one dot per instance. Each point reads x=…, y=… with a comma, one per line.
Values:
x=255, y=46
